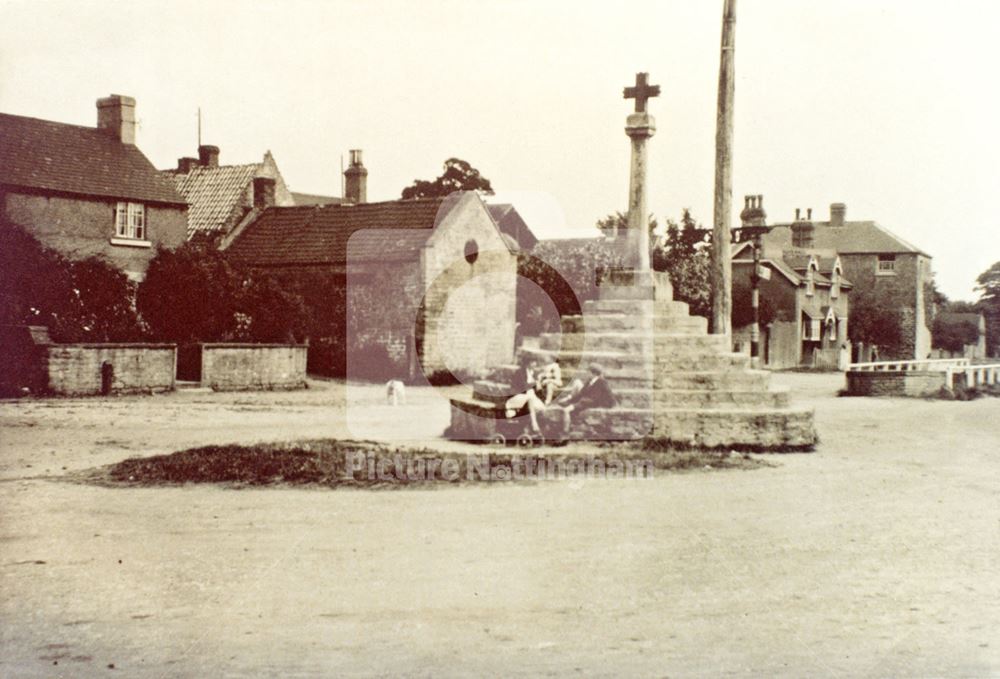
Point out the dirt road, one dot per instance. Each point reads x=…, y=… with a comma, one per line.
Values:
x=878, y=555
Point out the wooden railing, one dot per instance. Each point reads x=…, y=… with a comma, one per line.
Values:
x=930, y=364
x=975, y=375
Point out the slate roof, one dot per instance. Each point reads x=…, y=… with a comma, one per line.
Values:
x=213, y=194
x=389, y=231
x=859, y=237
x=55, y=157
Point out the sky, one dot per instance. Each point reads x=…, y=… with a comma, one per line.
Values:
x=890, y=106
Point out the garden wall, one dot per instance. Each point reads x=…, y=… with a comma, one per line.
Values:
x=895, y=383
x=238, y=367
x=78, y=369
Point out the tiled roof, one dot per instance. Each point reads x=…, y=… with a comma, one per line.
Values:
x=315, y=199
x=213, y=194
x=390, y=231
x=48, y=156
x=859, y=237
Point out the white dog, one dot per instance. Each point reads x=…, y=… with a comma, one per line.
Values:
x=395, y=392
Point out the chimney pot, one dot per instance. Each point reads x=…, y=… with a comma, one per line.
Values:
x=186, y=164
x=208, y=156
x=797, y=212
x=116, y=114
x=356, y=180
x=838, y=214
x=263, y=192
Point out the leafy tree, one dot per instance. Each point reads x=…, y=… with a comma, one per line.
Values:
x=876, y=320
x=953, y=336
x=617, y=222
x=684, y=255
x=988, y=285
x=458, y=175
x=88, y=300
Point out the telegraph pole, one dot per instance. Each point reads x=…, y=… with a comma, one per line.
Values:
x=722, y=275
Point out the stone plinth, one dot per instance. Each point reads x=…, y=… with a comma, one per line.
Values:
x=671, y=378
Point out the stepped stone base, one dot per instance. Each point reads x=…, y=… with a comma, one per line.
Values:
x=673, y=380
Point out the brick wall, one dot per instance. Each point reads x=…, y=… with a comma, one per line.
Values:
x=895, y=383
x=75, y=369
x=237, y=367
x=80, y=228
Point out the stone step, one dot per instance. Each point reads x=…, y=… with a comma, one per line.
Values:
x=629, y=307
x=737, y=427
x=620, y=323
x=663, y=342
x=713, y=380
x=685, y=360
x=721, y=398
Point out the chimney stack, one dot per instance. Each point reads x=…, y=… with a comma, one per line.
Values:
x=803, y=230
x=355, y=180
x=116, y=114
x=186, y=164
x=753, y=213
x=208, y=156
x=263, y=192
x=838, y=213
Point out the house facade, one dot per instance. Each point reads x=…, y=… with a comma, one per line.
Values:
x=404, y=286
x=805, y=295
x=89, y=191
x=886, y=271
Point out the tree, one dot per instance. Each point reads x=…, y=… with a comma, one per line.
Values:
x=87, y=300
x=684, y=255
x=616, y=224
x=988, y=285
x=458, y=175
x=876, y=320
x=955, y=335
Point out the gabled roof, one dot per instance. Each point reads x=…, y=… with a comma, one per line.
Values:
x=46, y=156
x=391, y=231
x=213, y=193
x=860, y=237
x=512, y=224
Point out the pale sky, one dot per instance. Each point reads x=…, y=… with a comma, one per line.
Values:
x=889, y=106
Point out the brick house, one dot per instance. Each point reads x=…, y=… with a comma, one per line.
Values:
x=429, y=282
x=86, y=191
x=220, y=196
x=808, y=296
x=878, y=263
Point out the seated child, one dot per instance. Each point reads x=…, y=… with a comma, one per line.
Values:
x=550, y=380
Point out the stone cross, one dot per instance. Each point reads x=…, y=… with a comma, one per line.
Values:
x=641, y=91
x=639, y=126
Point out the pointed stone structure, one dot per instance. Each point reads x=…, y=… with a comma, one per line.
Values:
x=672, y=379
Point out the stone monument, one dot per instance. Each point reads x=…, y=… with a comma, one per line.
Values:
x=672, y=379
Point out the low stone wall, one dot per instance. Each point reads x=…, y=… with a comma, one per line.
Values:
x=78, y=369
x=895, y=382
x=239, y=367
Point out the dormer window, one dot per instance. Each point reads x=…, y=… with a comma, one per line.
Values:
x=810, y=277
x=130, y=221
x=886, y=265
x=835, y=281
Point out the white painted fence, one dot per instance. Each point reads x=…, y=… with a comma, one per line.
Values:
x=930, y=364
x=975, y=375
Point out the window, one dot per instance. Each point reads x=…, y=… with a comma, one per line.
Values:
x=812, y=329
x=886, y=265
x=130, y=221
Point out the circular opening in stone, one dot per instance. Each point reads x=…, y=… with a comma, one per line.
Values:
x=471, y=251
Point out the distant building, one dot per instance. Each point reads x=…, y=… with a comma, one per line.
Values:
x=220, y=196
x=86, y=191
x=429, y=282
x=877, y=262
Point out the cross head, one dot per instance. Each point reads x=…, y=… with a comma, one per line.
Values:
x=641, y=91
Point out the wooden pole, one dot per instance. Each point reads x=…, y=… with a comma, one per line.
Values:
x=722, y=275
